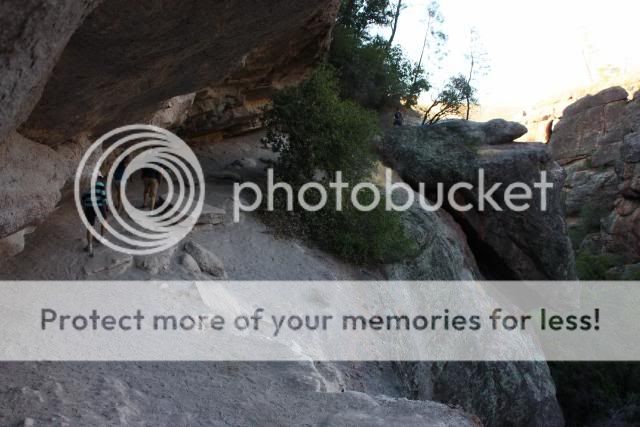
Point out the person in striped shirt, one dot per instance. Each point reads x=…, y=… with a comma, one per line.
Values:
x=91, y=213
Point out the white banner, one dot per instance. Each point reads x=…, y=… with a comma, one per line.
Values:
x=360, y=321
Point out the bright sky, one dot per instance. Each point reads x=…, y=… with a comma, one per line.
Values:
x=536, y=48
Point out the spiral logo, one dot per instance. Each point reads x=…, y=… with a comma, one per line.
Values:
x=118, y=155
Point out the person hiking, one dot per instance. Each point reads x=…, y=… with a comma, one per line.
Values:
x=548, y=132
x=91, y=212
x=118, y=174
x=397, y=118
x=151, y=179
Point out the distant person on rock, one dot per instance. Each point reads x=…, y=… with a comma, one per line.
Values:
x=91, y=212
x=548, y=132
x=398, y=120
x=151, y=178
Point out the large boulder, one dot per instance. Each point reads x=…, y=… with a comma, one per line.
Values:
x=527, y=245
x=591, y=124
x=207, y=261
x=500, y=393
x=505, y=393
x=443, y=252
x=30, y=180
x=590, y=188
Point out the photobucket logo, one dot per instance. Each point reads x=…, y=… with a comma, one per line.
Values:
x=517, y=196
x=164, y=157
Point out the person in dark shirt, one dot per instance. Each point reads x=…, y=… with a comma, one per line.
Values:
x=151, y=179
x=398, y=120
x=91, y=212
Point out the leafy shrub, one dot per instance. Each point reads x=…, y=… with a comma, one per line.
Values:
x=373, y=74
x=592, y=391
x=360, y=237
x=590, y=217
x=318, y=134
x=594, y=267
x=314, y=130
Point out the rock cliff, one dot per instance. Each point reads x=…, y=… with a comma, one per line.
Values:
x=597, y=142
x=73, y=70
x=527, y=245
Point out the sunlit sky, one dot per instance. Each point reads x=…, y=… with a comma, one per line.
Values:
x=536, y=48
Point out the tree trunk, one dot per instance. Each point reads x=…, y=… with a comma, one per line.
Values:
x=424, y=46
x=348, y=13
x=395, y=24
x=473, y=62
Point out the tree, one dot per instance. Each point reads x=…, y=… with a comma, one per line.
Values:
x=450, y=100
x=434, y=36
x=358, y=15
x=394, y=26
x=372, y=71
x=478, y=66
x=316, y=131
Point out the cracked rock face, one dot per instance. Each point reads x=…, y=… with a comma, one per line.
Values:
x=129, y=57
x=73, y=70
x=528, y=245
x=597, y=140
x=32, y=39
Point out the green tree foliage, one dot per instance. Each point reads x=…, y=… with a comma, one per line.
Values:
x=451, y=100
x=371, y=71
x=359, y=15
x=314, y=130
x=592, y=391
x=318, y=134
x=372, y=74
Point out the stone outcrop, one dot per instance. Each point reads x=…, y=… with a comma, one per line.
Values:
x=537, y=117
x=33, y=37
x=622, y=226
x=206, y=260
x=73, y=70
x=443, y=253
x=527, y=245
x=225, y=111
x=31, y=178
x=500, y=393
x=598, y=142
x=508, y=393
x=128, y=58
x=173, y=113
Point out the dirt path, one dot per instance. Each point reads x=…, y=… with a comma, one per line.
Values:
x=180, y=394
x=248, y=249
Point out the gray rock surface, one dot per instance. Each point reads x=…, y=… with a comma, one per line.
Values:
x=30, y=181
x=201, y=394
x=206, y=260
x=500, y=393
x=173, y=112
x=155, y=263
x=190, y=264
x=590, y=188
x=107, y=263
x=34, y=34
x=604, y=97
x=202, y=44
x=443, y=250
x=598, y=141
x=519, y=245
